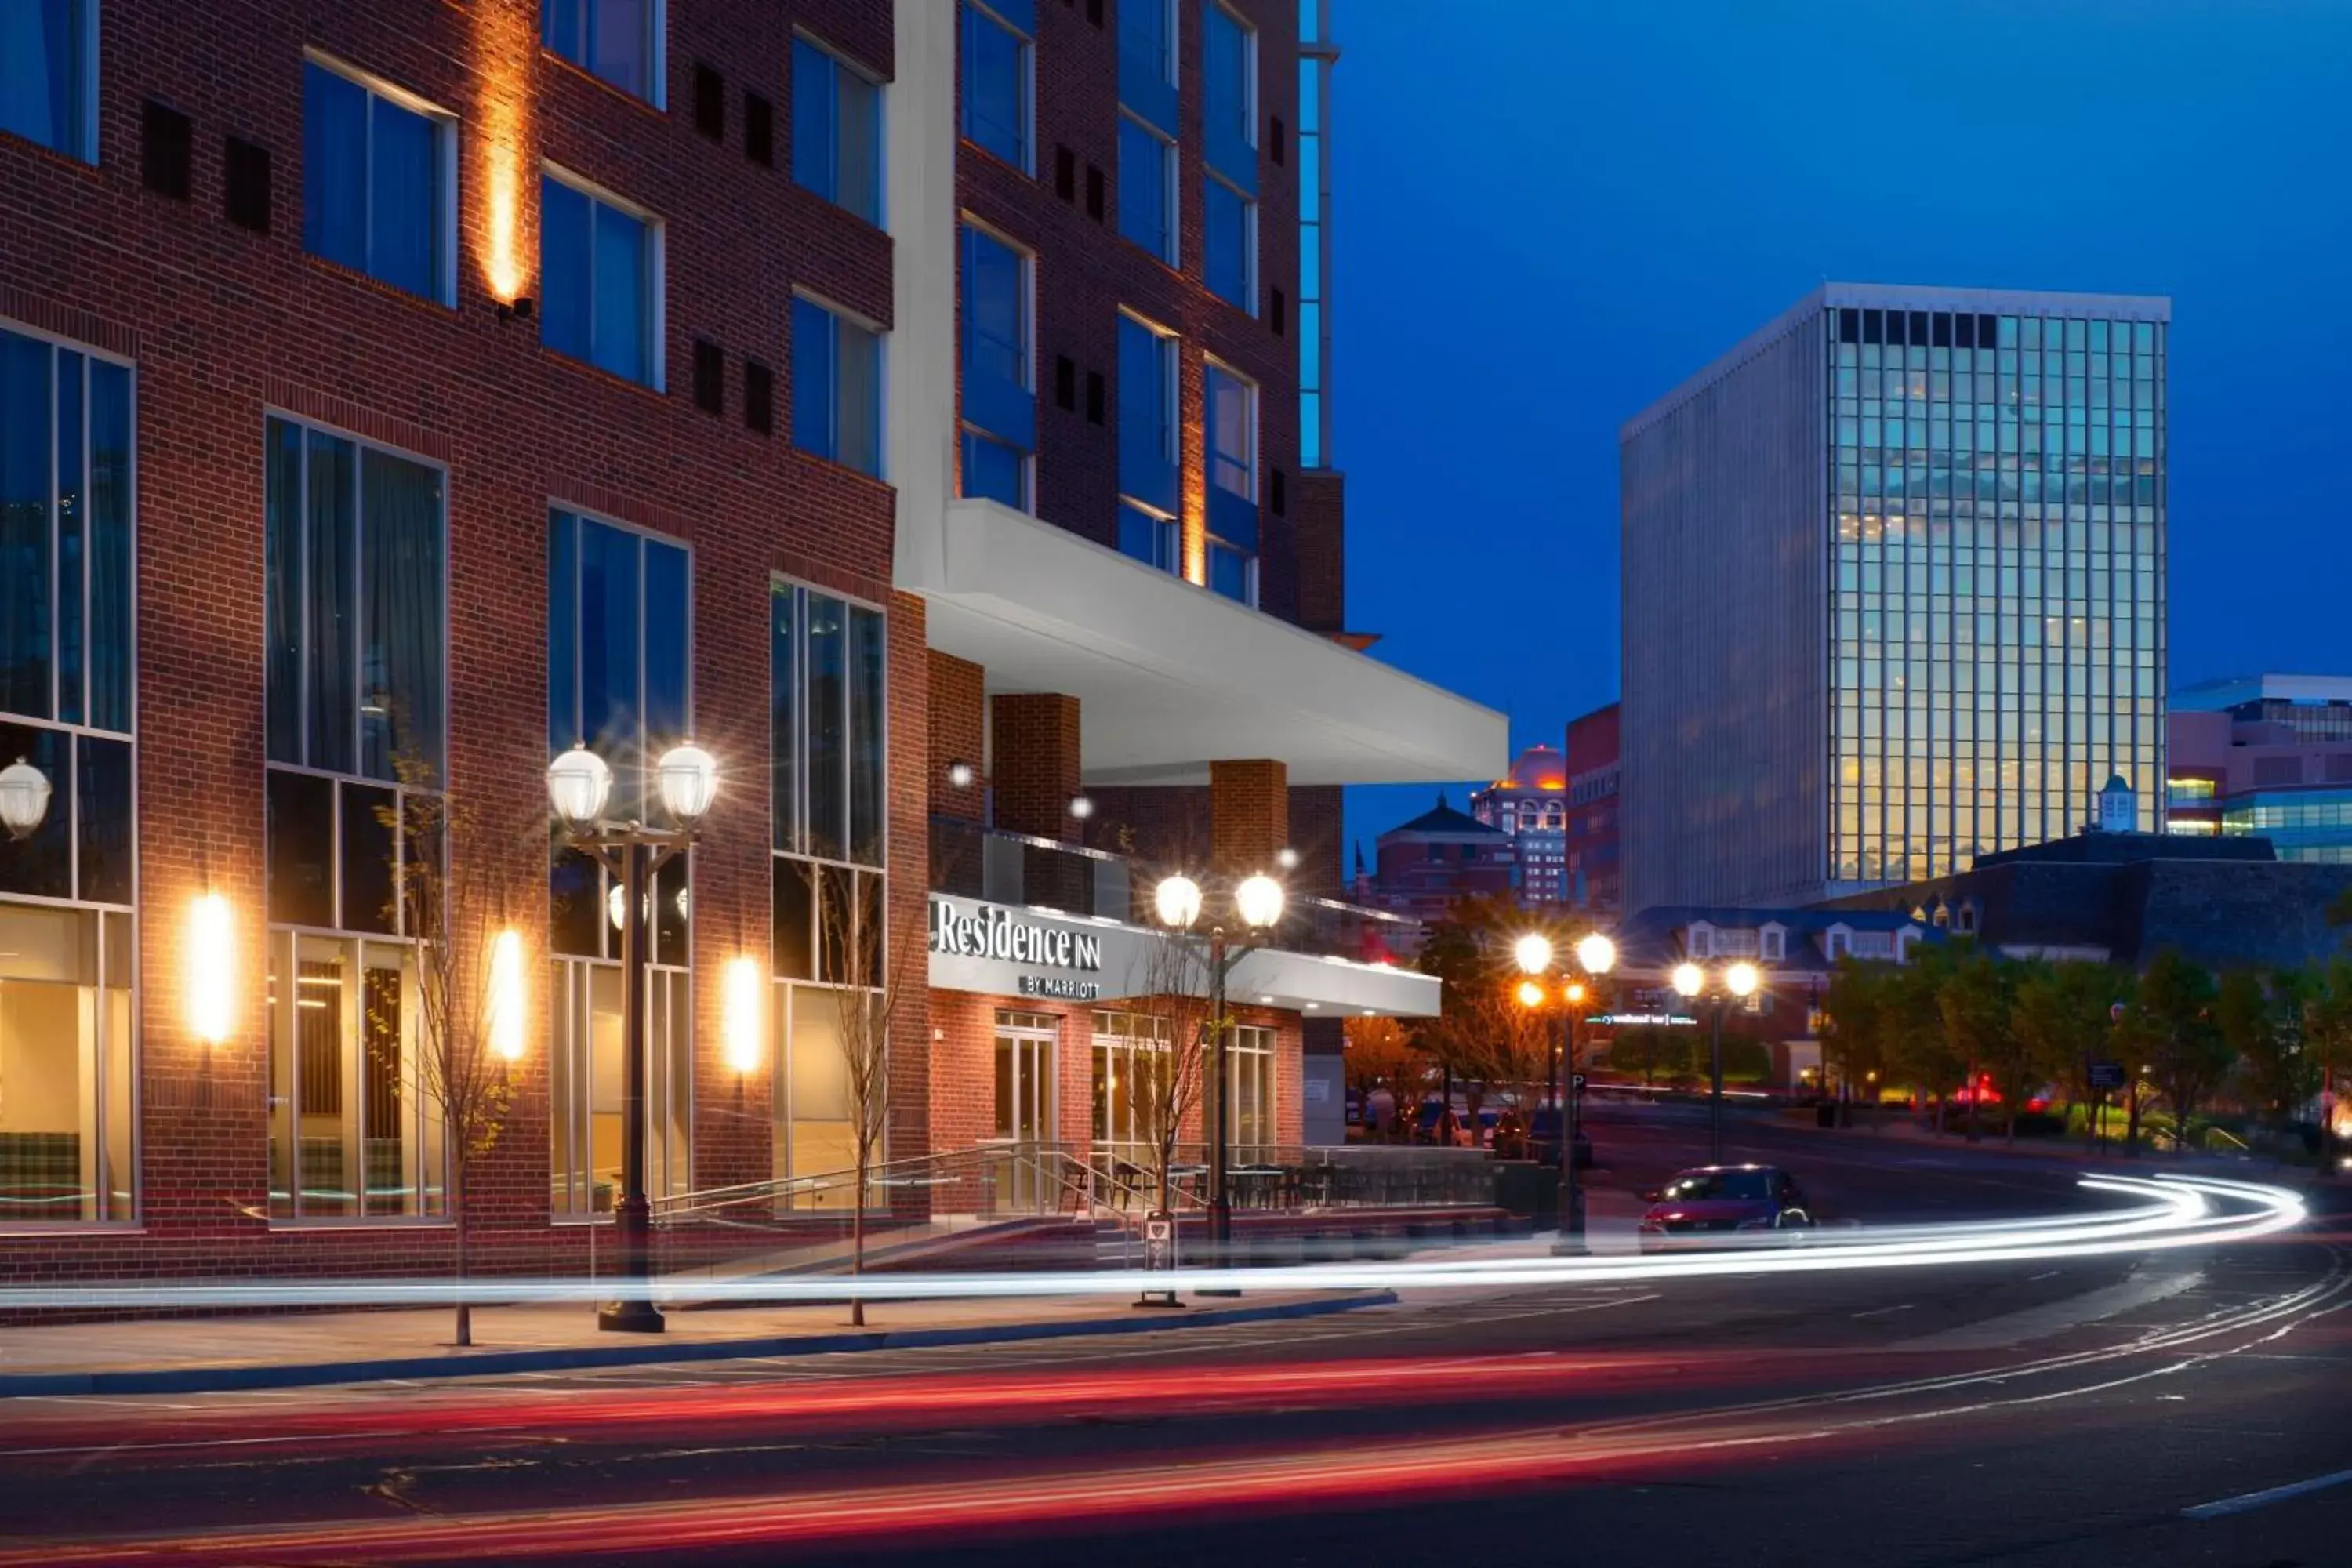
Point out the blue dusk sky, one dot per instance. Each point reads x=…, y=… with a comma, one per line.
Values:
x=1546, y=213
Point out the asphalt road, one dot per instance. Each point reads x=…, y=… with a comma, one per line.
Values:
x=2054, y=1413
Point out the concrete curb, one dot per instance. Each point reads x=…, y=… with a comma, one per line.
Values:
x=499, y=1364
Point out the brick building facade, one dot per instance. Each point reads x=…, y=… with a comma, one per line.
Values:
x=392, y=395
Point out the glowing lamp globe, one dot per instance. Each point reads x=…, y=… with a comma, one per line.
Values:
x=688, y=777
x=1177, y=901
x=578, y=784
x=1258, y=900
x=1533, y=953
x=1597, y=954
x=24, y=798
x=1530, y=993
x=1689, y=978
x=1741, y=979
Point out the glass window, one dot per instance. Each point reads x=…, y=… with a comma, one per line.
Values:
x=1232, y=432
x=586, y=1082
x=999, y=399
x=995, y=470
x=375, y=199
x=355, y=625
x=65, y=536
x=1232, y=245
x=827, y=662
x=1229, y=76
x=1149, y=538
x=1147, y=187
x=66, y=1068
x=352, y=1132
x=836, y=388
x=1147, y=418
x=1147, y=40
x=1249, y=1066
x=996, y=86
x=49, y=74
x=1128, y=1047
x=618, y=640
x=836, y=131
x=619, y=40
x=598, y=263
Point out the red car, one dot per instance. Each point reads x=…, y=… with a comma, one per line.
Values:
x=1708, y=1201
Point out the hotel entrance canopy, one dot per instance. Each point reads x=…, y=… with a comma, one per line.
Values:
x=1169, y=676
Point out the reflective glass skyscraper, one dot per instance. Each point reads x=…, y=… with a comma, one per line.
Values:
x=1894, y=590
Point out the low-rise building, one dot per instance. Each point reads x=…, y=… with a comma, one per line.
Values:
x=2268, y=755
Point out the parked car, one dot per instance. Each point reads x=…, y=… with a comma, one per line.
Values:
x=1708, y=1202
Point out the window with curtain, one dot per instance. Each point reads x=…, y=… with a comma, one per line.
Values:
x=1228, y=78
x=1149, y=501
x=619, y=40
x=828, y=660
x=619, y=617
x=836, y=130
x=599, y=269
x=375, y=194
x=999, y=403
x=836, y=388
x=1147, y=187
x=49, y=74
x=997, y=101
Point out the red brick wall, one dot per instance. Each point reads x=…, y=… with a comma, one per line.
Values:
x=959, y=733
x=1249, y=817
x=224, y=325
x=1085, y=272
x=1322, y=550
x=1034, y=762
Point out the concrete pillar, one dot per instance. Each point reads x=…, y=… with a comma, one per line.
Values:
x=1249, y=817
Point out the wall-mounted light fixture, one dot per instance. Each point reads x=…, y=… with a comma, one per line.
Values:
x=960, y=775
x=745, y=1023
x=1287, y=857
x=518, y=309
x=506, y=1000
x=1081, y=807
x=212, y=968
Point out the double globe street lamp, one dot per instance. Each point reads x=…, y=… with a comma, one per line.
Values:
x=1257, y=902
x=24, y=799
x=1733, y=981
x=579, y=786
x=1596, y=955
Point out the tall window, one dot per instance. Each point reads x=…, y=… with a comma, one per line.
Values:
x=1147, y=503
x=354, y=554
x=376, y=192
x=999, y=400
x=600, y=279
x=1147, y=187
x=619, y=40
x=619, y=619
x=837, y=387
x=997, y=83
x=1230, y=219
x=1249, y=1071
x=1129, y=1049
x=49, y=74
x=826, y=690
x=836, y=130
x=1229, y=78
x=1146, y=49
x=1233, y=483
x=68, y=1070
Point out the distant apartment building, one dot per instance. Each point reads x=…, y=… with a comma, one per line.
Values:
x=1894, y=590
x=2264, y=755
x=1425, y=866
x=1595, y=875
x=1529, y=806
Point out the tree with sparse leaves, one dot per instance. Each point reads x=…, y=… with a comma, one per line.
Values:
x=874, y=967
x=1167, y=1083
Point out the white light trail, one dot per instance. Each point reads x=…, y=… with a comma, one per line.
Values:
x=2187, y=1211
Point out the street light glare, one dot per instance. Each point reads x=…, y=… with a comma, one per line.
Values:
x=689, y=776
x=1258, y=900
x=578, y=784
x=1533, y=952
x=1177, y=901
x=1689, y=978
x=1740, y=979
x=1530, y=993
x=1597, y=954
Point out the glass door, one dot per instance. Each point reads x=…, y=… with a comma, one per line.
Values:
x=1025, y=1110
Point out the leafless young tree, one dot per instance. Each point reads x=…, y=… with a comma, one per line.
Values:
x=460, y=886
x=1169, y=1091
x=874, y=965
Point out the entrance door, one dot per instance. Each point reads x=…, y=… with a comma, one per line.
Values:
x=1025, y=1111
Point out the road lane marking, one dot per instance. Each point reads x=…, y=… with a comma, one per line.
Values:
x=1882, y=1312
x=2249, y=1501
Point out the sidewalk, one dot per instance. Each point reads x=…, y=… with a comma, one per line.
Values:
x=183, y=1355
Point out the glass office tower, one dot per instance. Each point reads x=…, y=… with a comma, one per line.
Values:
x=1893, y=592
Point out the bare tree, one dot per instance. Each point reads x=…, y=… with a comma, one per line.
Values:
x=459, y=884
x=1170, y=1091
x=872, y=964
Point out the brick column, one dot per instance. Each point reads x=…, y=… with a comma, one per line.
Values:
x=958, y=724
x=1033, y=769
x=1249, y=815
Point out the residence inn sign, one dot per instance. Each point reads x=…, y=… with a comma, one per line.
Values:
x=989, y=947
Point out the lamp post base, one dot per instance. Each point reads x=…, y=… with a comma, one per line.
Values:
x=631, y=1317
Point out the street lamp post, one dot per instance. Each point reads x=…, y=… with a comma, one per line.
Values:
x=579, y=783
x=1596, y=955
x=1736, y=980
x=1257, y=902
